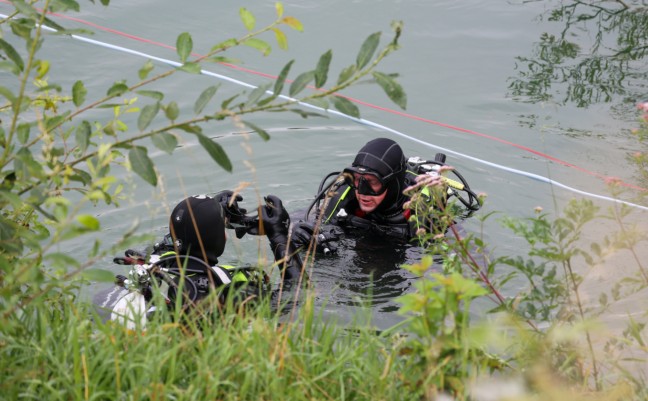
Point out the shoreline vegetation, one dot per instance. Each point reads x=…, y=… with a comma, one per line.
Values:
x=548, y=342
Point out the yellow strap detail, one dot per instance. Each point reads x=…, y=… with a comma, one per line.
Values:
x=344, y=194
x=237, y=277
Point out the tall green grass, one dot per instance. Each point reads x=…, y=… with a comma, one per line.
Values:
x=61, y=351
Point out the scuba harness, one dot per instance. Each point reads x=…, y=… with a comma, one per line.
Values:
x=194, y=276
x=396, y=225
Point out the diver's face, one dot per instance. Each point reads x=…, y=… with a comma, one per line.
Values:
x=369, y=203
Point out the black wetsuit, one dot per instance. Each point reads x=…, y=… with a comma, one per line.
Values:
x=389, y=219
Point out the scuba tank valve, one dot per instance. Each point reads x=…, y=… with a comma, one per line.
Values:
x=433, y=168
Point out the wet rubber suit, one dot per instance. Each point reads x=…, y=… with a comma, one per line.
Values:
x=383, y=158
x=368, y=197
x=197, y=238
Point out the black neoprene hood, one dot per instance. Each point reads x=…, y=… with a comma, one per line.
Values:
x=196, y=220
x=383, y=156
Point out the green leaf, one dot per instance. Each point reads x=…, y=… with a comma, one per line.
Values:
x=346, y=107
x=142, y=164
x=109, y=105
x=100, y=275
x=184, y=46
x=281, y=79
x=256, y=94
x=22, y=27
x=62, y=260
x=23, y=132
x=282, y=40
x=319, y=102
x=229, y=100
x=12, y=54
x=165, y=142
x=50, y=87
x=258, y=44
x=262, y=133
x=224, y=45
x=9, y=67
x=216, y=152
x=222, y=59
x=26, y=166
x=321, y=72
x=191, y=68
x=248, y=19
x=172, y=111
x=79, y=93
x=82, y=136
x=192, y=129
x=64, y=5
x=367, y=50
x=118, y=89
x=392, y=88
x=146, y=115
x=42, y=67
x=81, y=176
x=145, y=70
x=152, y=94
x=8, y=94
x=204, y=98
x=88, y=221
x=346, y=74
x=294, y=23
x=10, y=198
x=25, y=9
x=55, y=121
x=280, y=9
x=306, y=114
x=301, y=82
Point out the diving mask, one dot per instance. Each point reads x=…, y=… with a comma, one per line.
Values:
x=365, y=181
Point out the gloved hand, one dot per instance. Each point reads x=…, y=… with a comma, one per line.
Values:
x=275, y=221
x=302, y=235
x=229, y=202
x=235, y=216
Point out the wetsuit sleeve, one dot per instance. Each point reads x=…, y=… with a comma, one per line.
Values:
x=285, y=252
x=275, y=225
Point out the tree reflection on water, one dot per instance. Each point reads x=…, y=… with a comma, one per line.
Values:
x=599, y=56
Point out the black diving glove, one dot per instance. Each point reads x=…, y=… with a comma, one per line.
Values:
x=235, y=216
x=274, y=223
x=302, y=236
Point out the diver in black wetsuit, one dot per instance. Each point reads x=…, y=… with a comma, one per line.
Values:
x=368, y=195
x=197, y=238
x=197, y=228
x=371, y=196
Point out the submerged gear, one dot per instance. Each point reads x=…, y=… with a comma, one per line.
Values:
x=303, y=234
x=192, y=275
x=197, y=225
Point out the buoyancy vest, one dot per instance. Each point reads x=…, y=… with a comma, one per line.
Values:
x=200, y=278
